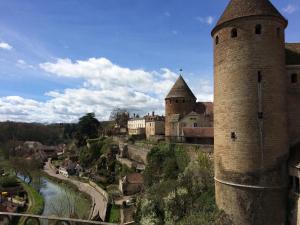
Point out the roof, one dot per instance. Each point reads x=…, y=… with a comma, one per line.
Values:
x=209, y=107
x=245, y=8
x=199, y=132
x=292, y=53
x=180, y=90
x=135, y=178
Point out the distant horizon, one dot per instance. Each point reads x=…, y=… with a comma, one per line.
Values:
x=62, y=59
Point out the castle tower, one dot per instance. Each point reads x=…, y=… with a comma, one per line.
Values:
x=251, y=142
x=180, y=101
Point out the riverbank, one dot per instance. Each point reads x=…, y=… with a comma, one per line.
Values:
x=100, y=202
x=35, y=202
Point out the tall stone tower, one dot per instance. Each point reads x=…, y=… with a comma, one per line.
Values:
x=180, y=101
x=251, y=142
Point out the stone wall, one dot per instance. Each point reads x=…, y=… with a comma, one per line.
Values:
x=180, y=106
x=250, y=108
x=293, y=104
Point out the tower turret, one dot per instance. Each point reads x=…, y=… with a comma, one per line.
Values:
x=251, y=142
x=180, y=101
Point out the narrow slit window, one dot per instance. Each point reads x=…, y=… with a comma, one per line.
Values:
x=260, y=115
x=217, y=40
x=278, y=31
x=234, y=33
x=258, y=29
x=233, y=135
x=259, y=77
x=294, y=78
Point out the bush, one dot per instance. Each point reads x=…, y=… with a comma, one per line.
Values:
x=8, y=182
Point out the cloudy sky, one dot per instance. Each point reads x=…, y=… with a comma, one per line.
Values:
x=60, y=59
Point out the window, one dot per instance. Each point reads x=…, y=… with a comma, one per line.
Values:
x=233, y=136
x=176, y=101
x=294, y=78
x=260, y=115
x=258, y=29
x=297, y=190
x=234, y=33
x=278, y=31
x=259, y=77
x=217, y=40
x=195, y=125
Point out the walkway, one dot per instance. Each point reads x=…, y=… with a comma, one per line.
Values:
x=99, y=201
x=52, y=218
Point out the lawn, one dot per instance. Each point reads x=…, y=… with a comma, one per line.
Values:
x=114, y=214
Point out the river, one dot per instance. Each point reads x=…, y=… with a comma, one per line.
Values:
x=61, y=200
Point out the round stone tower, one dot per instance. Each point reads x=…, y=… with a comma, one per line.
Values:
x=179, y=102
x=251, y=142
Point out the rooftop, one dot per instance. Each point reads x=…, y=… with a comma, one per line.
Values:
x=245, y=8
x=292, y=53
x=180, y=90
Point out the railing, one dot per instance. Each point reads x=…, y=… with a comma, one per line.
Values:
x=8, y=219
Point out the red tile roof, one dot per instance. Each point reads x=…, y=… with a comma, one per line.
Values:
x=135, y=178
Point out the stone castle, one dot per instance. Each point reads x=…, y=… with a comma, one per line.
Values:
x=186, y=119
x=256, y=115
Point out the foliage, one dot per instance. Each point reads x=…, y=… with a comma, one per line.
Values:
x=120, y=117
x=15, y=131
x=164, y=162
x=87, y=128
x=179, y=192
x=36, y=199
x=9, y=181
x=114, y=214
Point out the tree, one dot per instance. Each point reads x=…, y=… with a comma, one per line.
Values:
x=120, y=116
x=87, y=128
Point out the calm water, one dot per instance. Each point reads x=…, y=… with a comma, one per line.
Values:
x=61, y=200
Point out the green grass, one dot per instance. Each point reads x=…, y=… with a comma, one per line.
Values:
x=114, y=214
x=36, y=202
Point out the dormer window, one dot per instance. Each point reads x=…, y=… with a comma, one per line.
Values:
x=258, y=29
x=294, y=78
x=234, y=33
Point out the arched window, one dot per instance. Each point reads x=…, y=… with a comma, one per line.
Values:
x=294, y=78
x=217, y=40
x=258, y=29
x=278, y=31
x=234, y=33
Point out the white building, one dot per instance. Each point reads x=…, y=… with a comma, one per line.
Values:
x=136, y=126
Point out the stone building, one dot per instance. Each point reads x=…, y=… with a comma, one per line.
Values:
x=155, y=125
x=137, y=126
x=183, y=111
x=256, y=115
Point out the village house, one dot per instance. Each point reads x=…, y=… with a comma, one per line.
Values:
x=155, y=125
x=131, y=184
x=137, y=126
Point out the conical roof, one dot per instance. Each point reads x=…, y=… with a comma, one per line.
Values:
x=180, y=90
x=244, y=8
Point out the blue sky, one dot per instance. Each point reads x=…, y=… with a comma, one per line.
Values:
x=60, y=59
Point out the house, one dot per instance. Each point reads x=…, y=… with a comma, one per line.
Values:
x=137, y=126
x=131, y=184
x=155, y=125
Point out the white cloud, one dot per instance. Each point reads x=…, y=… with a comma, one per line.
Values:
x=24, y=65
x=5, y=46
x=290, y=9
x=206, y=20
x=105, y=86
